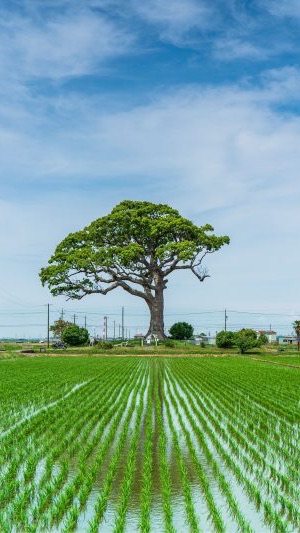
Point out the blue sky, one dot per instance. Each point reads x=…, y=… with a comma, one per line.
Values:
x=190, y=103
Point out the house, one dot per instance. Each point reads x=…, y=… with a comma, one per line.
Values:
x=287, y=339
x=270, y=334
x=205, y=339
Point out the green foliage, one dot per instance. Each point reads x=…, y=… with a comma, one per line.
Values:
x=135, y=247
x=263, y=339
x=9, y=346
x=245, y=340
x=225, y=339
x=140, y=237
x=103, y=345
x=75, y=336
x=169, y=343
x=249, y=333
x=58, y=327
x=296, y=326
x=181, y=330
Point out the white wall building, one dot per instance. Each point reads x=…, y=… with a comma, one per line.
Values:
x=269, y=333
x=287, y=339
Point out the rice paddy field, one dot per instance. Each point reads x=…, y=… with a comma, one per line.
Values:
x=149, y=444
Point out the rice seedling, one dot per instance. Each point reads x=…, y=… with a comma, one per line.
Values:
x=79, y=437
x=147, y=462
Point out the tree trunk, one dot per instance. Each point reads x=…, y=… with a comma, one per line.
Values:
x=156, y=307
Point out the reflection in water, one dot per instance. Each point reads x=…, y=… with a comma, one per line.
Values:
x=178, y=503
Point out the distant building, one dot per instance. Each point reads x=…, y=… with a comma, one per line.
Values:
x=287, y=339
x=205, y=339
x=270, y=334
x=139, y=336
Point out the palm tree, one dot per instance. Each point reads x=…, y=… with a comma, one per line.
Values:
x=296, y=326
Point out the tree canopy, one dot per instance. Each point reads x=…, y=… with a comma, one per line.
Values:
x=135, y=247
x=181, y=331
x=75, y=335
x=58, y=326
x=225, y=339
x=246, y=339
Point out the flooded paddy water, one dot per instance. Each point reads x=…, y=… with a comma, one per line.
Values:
x=153, y=445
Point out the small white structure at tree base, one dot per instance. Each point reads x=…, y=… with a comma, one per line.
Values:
x=151, y=339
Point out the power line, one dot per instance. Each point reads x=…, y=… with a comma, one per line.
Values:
x=183, y=313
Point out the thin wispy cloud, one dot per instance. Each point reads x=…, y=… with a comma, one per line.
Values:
x=175, y=20
x=60, y=46
x=237, y=48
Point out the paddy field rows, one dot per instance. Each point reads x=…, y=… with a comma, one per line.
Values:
x=149, y=444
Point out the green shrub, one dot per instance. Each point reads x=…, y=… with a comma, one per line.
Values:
x=103, y=345
x=247, y=332
x=75, y=336
x=181, y=331
x=263, y=339
x=225, y=339
x=169, y=343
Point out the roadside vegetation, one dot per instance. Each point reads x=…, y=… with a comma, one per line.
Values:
x=133, y=347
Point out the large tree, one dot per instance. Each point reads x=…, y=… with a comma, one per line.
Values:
x=136, y=247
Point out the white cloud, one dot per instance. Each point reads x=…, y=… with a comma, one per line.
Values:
x=200, y=135
x=237, y=48
x=175, y=19
x=223, y=155
x=70, y=44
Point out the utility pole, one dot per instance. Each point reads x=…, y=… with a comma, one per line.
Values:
x=105, y=328
x=85, y=322
x=48, y=325
x=114, y=330
x=225, y=320
x=122, y=323
x=62, y=314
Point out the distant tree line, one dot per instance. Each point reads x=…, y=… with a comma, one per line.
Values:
x=244, y=340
